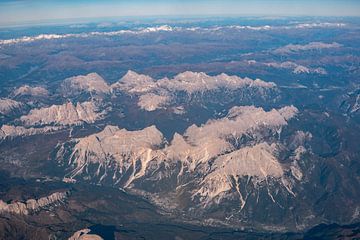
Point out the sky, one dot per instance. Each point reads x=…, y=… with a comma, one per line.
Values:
x=25, y=11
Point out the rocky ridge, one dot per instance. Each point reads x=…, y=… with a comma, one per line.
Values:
x=9, y=105
x=91, y=83
x=207, y=161
x=66, y=114
x=32, y=205
x=9, y=131
x=27, y=90
x=155, y=94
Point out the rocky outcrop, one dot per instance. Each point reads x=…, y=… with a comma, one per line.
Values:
x=32, y=205
x=216, y=137
x=350, y=102
x=9, y=131
x=133, y=82
x=258, y=161
x=66, y=114
x=297, y=68
x=117, y=150
x=26, y=90
x=84, y=234
x=151, y=102
x=8, y=105
x=92, y=83
x=189, y=82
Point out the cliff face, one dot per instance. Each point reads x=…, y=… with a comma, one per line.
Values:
x=32, y=205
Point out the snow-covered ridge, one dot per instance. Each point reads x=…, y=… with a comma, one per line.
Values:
x=32, y=205
x=287, y=27
x=26, y=39
x=321, y=25
x=167, y=28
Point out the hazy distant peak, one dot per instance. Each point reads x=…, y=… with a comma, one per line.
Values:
x=189, y=75
x=27, y=90
x=293, y=48
x=132, y=75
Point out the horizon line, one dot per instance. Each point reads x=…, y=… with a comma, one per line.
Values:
x=66, y=21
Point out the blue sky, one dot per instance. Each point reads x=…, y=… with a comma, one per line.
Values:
x=24, y=11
